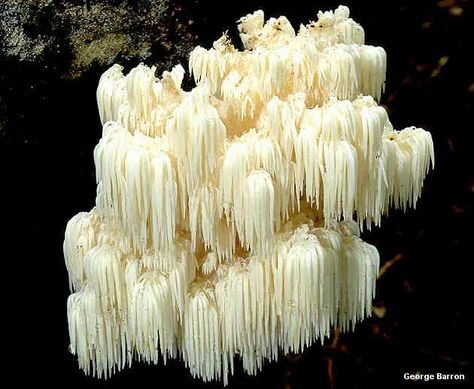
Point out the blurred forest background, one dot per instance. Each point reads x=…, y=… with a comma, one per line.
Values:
x=52, y=53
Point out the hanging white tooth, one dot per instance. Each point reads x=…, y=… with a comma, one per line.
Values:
x=104, y=272
x=303, y=274
x=202, y=338
x=269, y=157
x=79, y=238
x=263, y=314
x=197, y=136
x=111, y=93
x=164, y=202
x=96, y=336
x=372, y=182
x=332, y=285
x=182, y=274
x=413, y=152
x=244, y=295
x=338, y=162
x=207, y=66
x=308, y=174
x=373, y=65
x=137, y=196
x=259, y=208
x=360, y=266
x=233, y=299
x=234, y=172
x=338, y=72
x=153, y=322
x=139, y=88
x=177, y=75
x=109, y=158
x=207, y=224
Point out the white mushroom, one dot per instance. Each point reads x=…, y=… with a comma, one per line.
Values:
x=228, y=217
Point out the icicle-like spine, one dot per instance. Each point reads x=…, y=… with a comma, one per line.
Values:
x=153, y=322
x=103, y=269
x=259, y=205
x=202, y=340
x=164, y=202
x=79, y=238
x=359, y=271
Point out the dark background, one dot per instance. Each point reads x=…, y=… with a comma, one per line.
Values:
x=49, y=125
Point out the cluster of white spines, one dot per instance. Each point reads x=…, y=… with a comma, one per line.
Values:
x=209, y=311
x=223, y=221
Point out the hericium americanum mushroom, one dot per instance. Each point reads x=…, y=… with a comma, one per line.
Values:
x=227, y=217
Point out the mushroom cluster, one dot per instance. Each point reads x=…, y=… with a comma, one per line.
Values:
x=228, y=217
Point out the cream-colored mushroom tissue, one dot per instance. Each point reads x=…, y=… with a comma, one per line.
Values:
x=228, y=218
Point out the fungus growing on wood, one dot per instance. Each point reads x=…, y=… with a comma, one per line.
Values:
x=227, y=220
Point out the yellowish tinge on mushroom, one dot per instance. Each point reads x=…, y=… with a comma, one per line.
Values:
x=228, y=218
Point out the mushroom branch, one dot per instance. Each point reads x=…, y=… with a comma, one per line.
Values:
x=228, y=217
